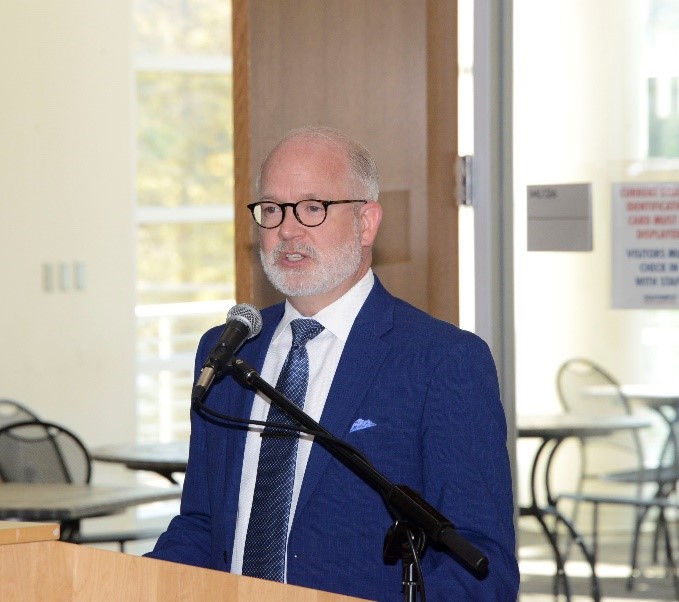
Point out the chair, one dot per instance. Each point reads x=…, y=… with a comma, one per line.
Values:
x=13, y=411
x=576, y=382
x=585, y=387
x=42, y=452
x=34, y=451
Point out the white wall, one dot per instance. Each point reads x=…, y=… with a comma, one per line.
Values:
x=576, y=110
x=66, y=193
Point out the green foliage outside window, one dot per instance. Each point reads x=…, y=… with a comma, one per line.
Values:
x=184, y=150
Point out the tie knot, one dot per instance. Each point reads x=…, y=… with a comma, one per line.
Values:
x=304, y=330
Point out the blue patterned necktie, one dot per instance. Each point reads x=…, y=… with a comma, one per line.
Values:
x=266, y=539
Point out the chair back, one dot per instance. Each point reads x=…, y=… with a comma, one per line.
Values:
x=585, y=387
x=13, y=411
x=34, y=451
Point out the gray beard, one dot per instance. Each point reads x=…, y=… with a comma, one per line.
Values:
x=327, y=272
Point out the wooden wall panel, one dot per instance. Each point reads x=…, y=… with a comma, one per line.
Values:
x=442, y=109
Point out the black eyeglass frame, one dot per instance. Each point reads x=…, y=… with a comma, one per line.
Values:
x=284, y=206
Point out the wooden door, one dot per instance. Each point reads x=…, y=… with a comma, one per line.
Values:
x=384, y=72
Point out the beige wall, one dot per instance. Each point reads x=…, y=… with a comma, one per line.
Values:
x=66, y=193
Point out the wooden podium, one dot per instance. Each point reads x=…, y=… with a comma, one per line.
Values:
x=35, y=567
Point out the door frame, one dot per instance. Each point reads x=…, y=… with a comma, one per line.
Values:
x=492, y=183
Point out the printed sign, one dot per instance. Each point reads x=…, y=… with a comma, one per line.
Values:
x=560, y=217
x=645, y=245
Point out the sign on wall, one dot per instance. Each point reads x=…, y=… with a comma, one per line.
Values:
x=560, y=217
x=645, y=241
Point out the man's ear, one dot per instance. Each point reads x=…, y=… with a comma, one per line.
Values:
x=371, y=216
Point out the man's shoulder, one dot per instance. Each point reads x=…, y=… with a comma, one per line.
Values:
x=407, y=317
x=403, y=320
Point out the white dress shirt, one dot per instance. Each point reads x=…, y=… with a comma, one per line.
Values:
x=324, y=354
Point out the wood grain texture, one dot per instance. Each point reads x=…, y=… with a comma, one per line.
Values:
x=242, y=154
x=442, y=141
x=61, y=572
x=20, y=532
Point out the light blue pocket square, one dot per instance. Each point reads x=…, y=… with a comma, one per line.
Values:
x=361, y=424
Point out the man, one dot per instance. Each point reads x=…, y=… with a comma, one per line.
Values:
x=417, y=396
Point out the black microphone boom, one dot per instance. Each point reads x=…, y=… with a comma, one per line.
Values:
x=242, y=323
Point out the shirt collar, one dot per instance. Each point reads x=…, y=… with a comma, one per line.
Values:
x=339, y=316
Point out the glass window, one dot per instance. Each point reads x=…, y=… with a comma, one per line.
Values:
x=184, y=186
x=662, y=73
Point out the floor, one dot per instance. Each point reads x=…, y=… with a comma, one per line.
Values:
x=537, y=568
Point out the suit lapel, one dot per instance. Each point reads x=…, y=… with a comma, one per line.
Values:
x=362, y=359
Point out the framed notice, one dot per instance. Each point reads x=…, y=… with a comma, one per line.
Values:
x=560, y=217
x=645, y=242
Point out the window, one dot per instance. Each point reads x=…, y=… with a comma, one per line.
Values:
x=184, y=184
x=662, y=73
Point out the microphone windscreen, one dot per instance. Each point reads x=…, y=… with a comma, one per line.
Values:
x=249, y=315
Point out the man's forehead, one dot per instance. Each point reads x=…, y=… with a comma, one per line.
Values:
x=307, y=160
x=311, y=146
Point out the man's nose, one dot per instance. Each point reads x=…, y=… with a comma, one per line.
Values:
x=290, y=226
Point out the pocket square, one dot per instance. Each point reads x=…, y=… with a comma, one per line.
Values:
x=361, y=424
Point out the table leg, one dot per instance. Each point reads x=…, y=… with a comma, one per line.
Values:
x=549, y=447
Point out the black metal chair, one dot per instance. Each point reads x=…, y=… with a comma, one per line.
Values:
x=42, y=452
x=585, y=387
x=34, y=451
x=576, y=382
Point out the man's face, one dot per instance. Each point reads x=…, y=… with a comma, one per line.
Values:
x=313, y=266
x=320, y=272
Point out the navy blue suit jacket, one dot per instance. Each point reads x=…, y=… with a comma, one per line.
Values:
x=431, y=391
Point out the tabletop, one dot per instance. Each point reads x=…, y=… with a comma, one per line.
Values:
x=63, y=501
x=145, y=456
x=648, y=393
x=652, y=394
x=559, y=426
x=163, y=458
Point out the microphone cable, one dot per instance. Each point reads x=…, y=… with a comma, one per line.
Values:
x=201, y=408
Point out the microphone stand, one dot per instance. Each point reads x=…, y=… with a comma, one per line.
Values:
x=402, y=541
x=404, y=503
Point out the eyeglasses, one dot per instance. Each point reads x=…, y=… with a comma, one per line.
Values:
x=310, y=213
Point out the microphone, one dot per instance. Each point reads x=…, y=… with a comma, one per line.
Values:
x=243, y=322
